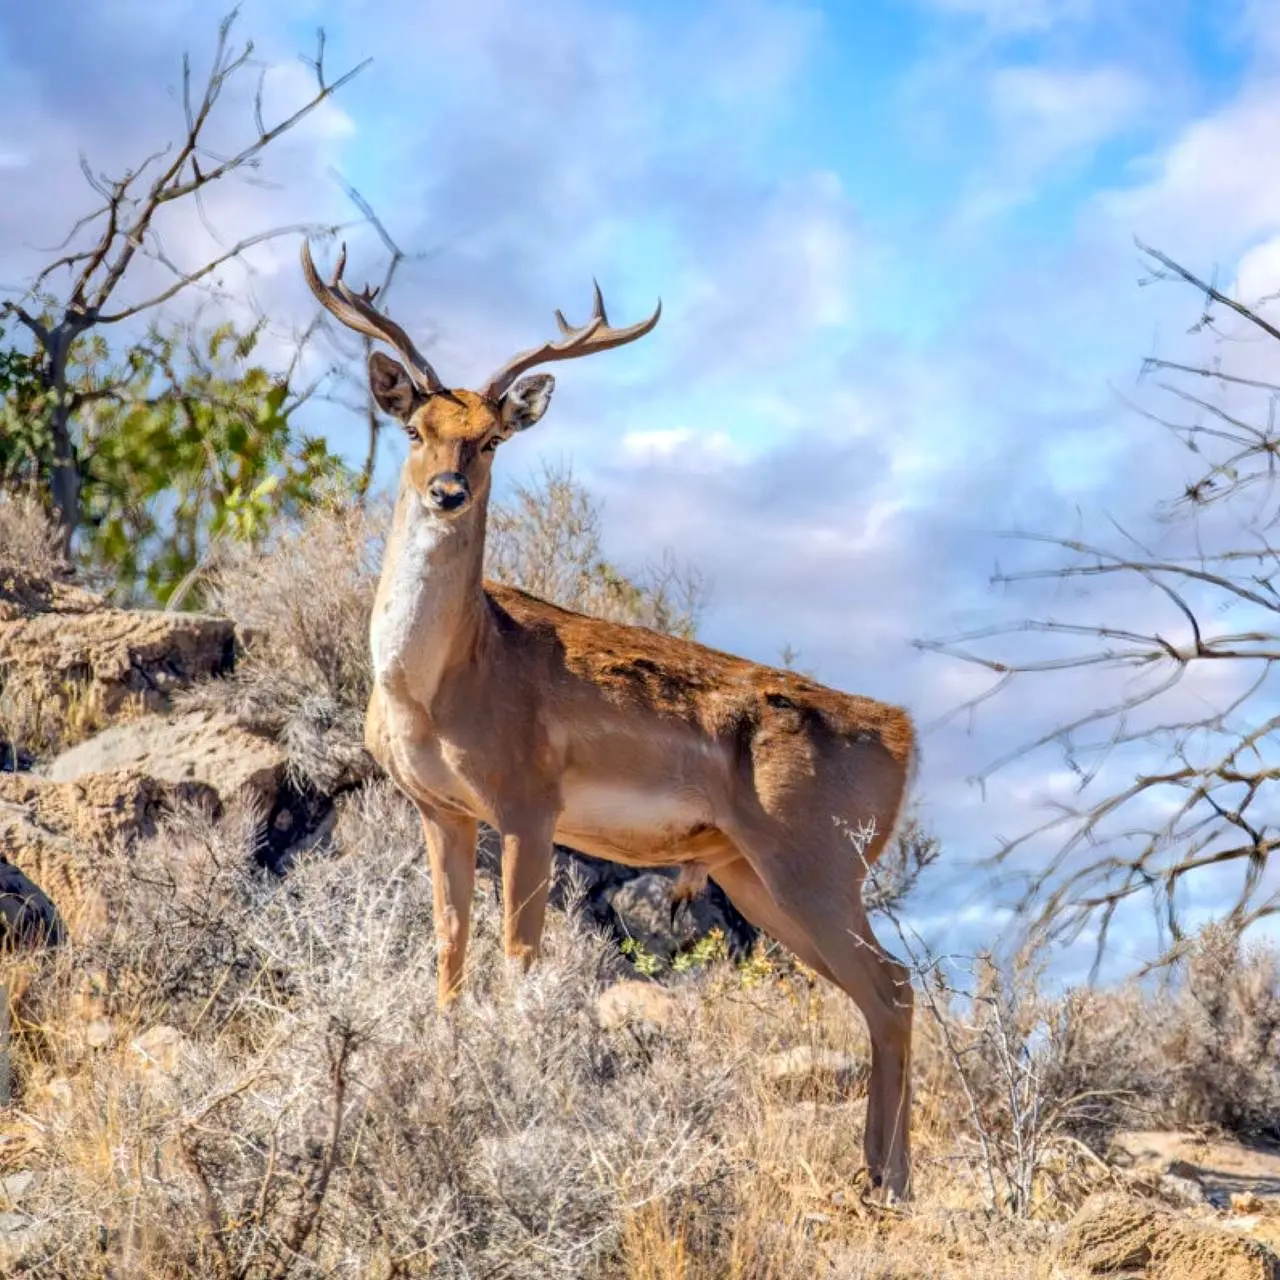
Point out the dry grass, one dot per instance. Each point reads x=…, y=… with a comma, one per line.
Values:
x=29, y=539
x=310, y=1113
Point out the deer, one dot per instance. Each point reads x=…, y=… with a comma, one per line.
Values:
x=491, y=705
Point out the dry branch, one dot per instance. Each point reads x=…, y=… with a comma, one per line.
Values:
x=1204, y=798
x=122, y=228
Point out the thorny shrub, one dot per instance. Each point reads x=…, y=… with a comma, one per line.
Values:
x=320, y=1117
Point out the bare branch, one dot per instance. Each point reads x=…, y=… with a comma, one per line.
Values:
x=1202, y=791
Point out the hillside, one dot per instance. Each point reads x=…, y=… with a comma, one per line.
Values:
x=226, y=1057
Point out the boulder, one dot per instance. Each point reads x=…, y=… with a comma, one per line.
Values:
x=807, y=1072
x=637, y=1005
x=1191, y=1169
x=211, y=749
x=206, y=747
x=50, y=832
x=643, y=912
x=54, y=635
x=27, y=917
x=1113, y=1234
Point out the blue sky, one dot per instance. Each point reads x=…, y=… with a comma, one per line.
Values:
x=894, y=242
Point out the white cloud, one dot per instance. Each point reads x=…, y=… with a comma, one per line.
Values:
x=1210, y=192
x=690, y=449
x=1047, y=121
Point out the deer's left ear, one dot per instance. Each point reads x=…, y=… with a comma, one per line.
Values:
x=526, y=402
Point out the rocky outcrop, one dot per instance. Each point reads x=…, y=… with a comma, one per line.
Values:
x=205, y=747
x=27, y=917
x=214, y=750
x=1118, y=1235
x=54, y=634
x=50, y=832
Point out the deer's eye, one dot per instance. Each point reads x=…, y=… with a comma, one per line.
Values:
x=412, y=432
x=490, y=445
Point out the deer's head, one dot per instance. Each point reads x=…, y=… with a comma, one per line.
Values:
x=453, y=433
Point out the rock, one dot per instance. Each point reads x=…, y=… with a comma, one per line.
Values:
x=635, y=1004
x=214, y=750
x=206, y=747
x=1247, y=1202
x=27, y=917
x=96, y=808
x=51, y=831
x=642, y=913
x=644, y=909
x=1178, y=1163
x=53, y=634
x=15, y=1185
x=1114, y=1234
x=59, y=1091
x=18, y=1232
x=99, y=1033
x=809, y=1072
x=1188, y=1192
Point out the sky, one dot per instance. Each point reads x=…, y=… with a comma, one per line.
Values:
x=894, y=242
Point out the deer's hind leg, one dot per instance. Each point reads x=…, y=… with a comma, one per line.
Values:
x=810, y=898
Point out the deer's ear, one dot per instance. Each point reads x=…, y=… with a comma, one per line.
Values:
x=526, y=402
x=392, y=387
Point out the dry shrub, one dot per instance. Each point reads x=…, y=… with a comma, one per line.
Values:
x=302, y=608
x=546, y=540
x=1212, y=1048
x=321, y=1117
x=29, y=539
x=1028, y=1088
x=304, y=601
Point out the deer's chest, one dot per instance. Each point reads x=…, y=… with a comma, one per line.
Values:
x=428, y=766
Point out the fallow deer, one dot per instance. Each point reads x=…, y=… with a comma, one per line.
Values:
x=492, y=705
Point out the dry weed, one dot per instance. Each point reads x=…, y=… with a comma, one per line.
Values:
x=29, y=539
x=546, y=539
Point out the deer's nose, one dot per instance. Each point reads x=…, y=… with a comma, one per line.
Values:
x=449, y=491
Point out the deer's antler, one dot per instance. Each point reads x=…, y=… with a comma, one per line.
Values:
x=356, y=311
x=595, y=335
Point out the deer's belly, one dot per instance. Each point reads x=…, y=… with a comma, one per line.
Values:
x=627, y=822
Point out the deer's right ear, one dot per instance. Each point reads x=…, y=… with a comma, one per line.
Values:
x=392, y=387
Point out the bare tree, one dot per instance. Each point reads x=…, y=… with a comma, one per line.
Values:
x=102, y=246
x=1168, y=799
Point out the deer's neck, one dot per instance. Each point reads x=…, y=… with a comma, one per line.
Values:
x=429, y=615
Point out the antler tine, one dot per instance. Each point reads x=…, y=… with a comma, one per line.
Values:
x=597, y=312
x=595, y=335
x=356, y=311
